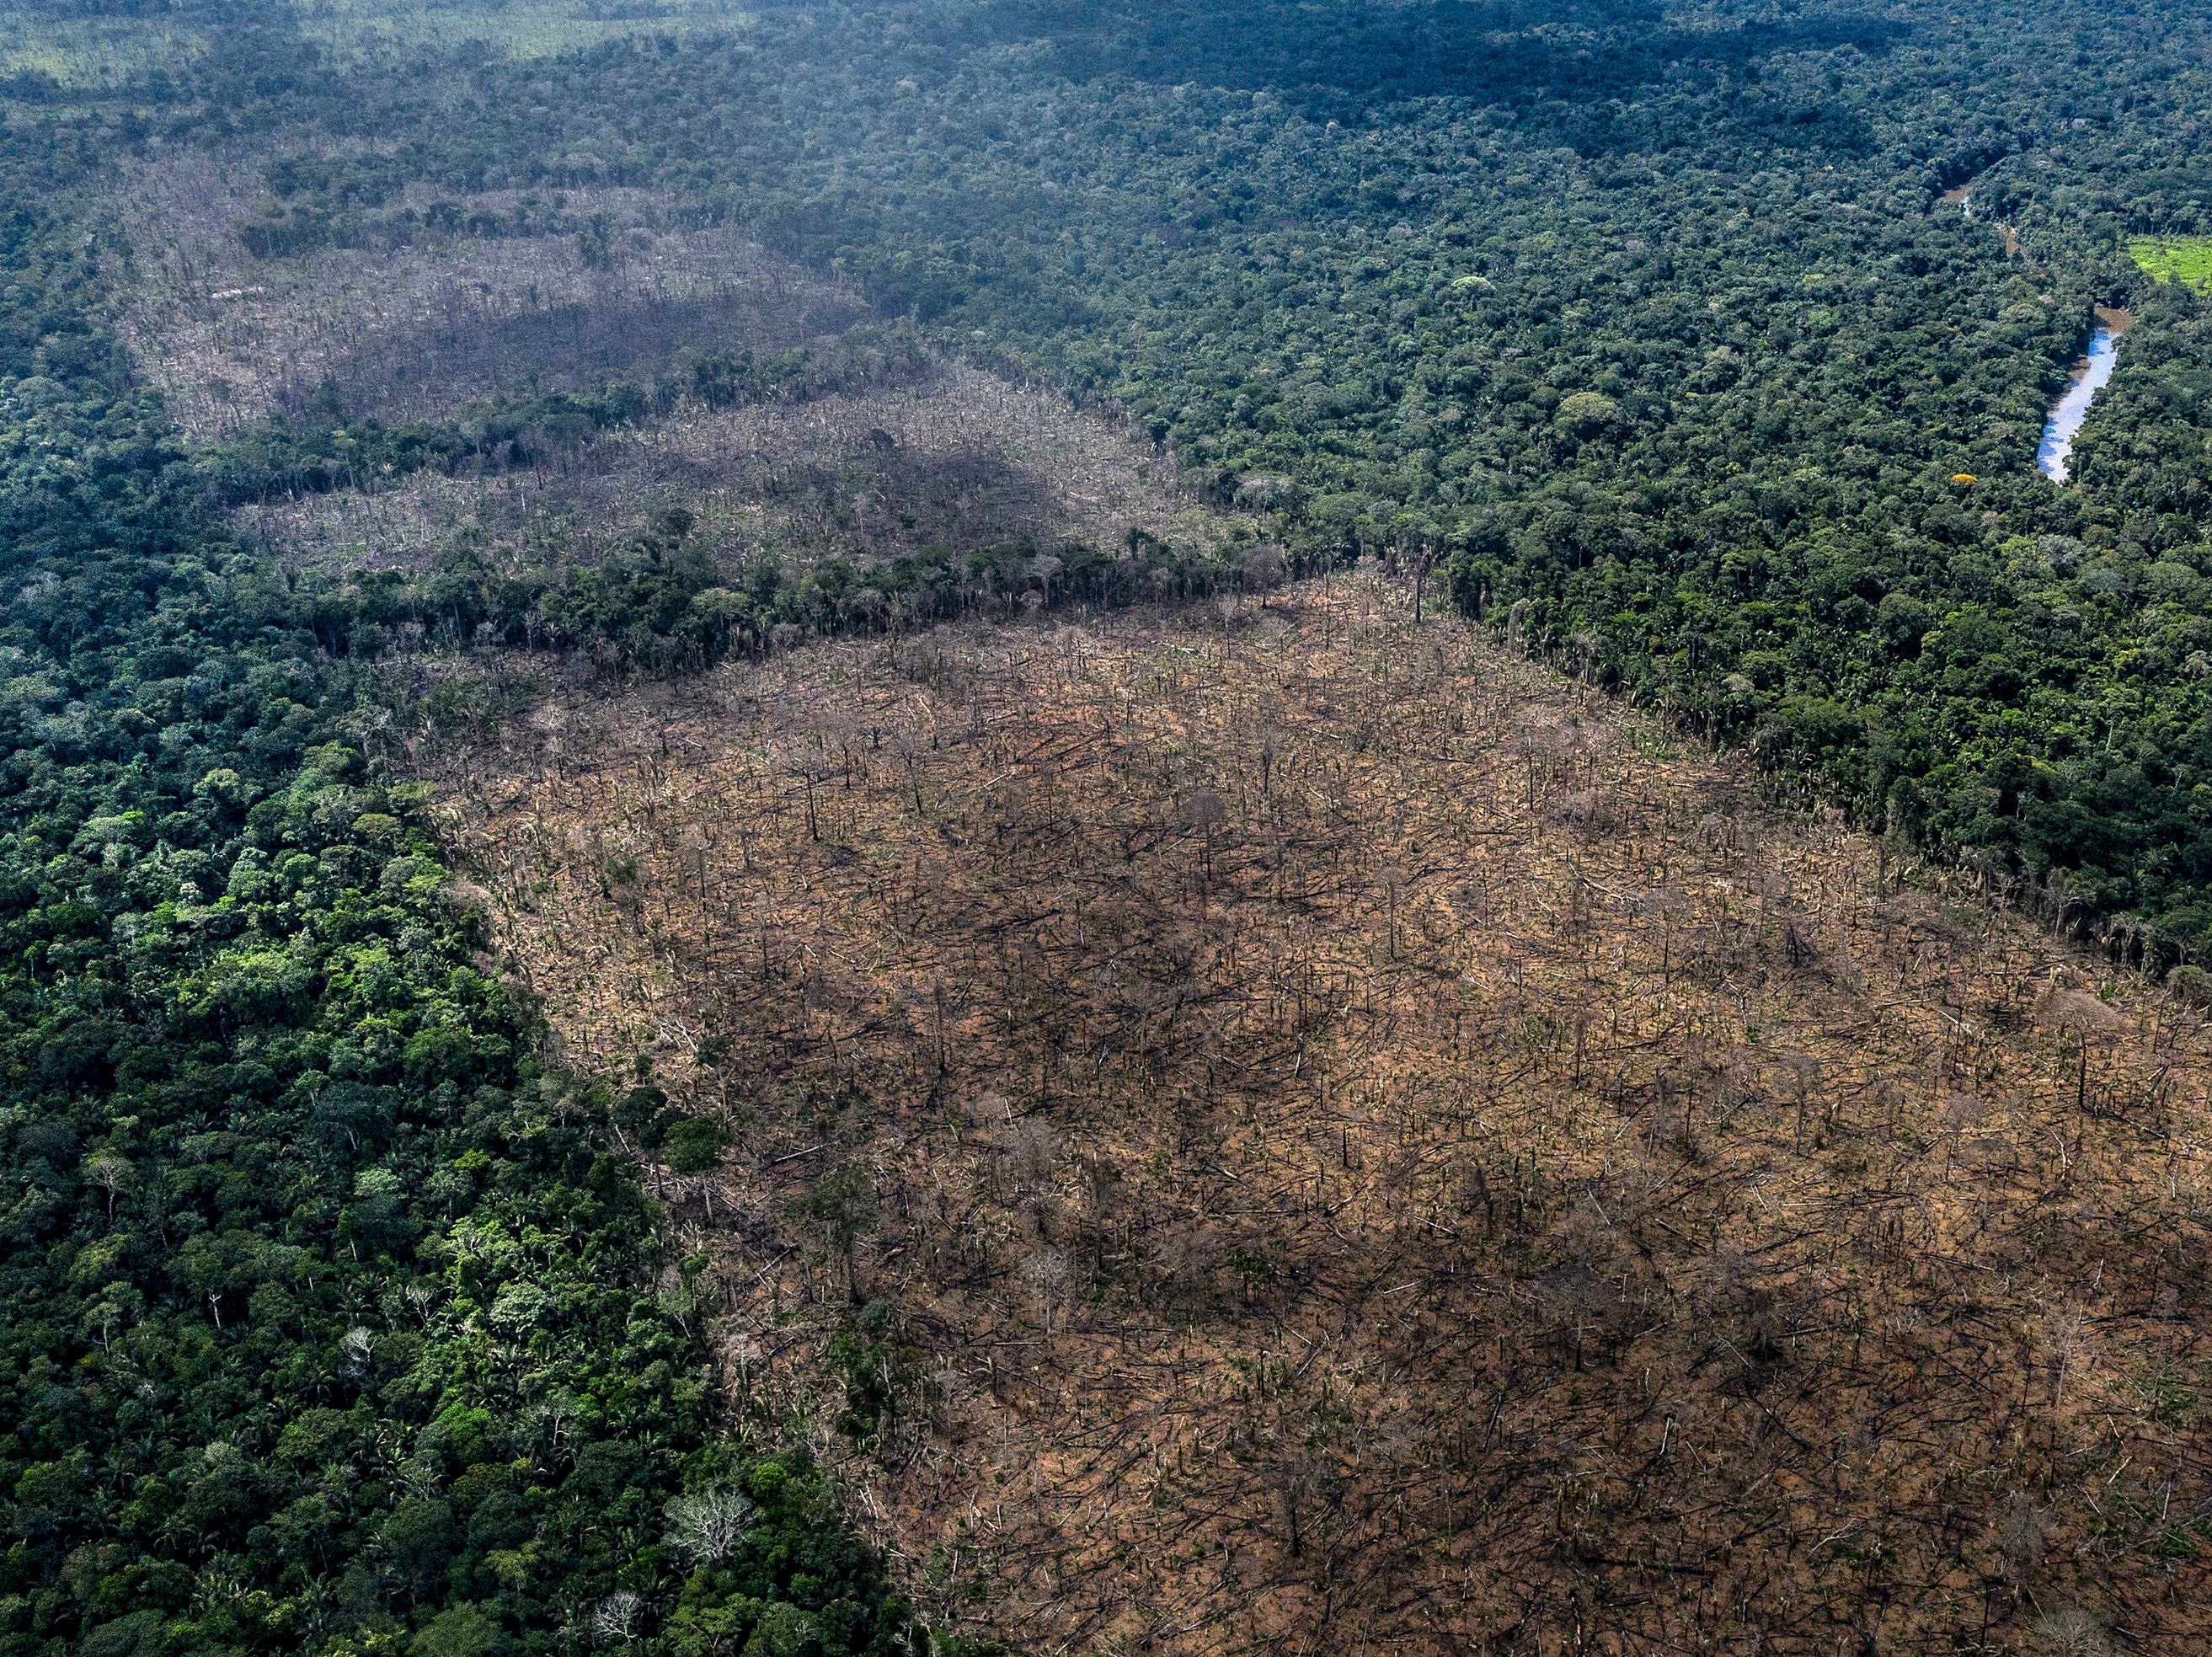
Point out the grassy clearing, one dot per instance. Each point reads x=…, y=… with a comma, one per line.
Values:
x=82, y=52
x=2175, y=258
x=1360, y=1146
x=358, y=29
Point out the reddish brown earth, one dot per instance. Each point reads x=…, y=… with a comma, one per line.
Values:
x=1364, y=1146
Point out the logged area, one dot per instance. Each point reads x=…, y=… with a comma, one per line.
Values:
x=959, y=460
x=1278, y=1128
x=575, y=362
x=249, y=307
x=957, y=828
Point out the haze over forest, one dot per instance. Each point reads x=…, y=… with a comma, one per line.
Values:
x=993, y=826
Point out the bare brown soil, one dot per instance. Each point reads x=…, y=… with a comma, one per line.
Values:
x=1369, y=1148
x=419, y=331
x=965, y=460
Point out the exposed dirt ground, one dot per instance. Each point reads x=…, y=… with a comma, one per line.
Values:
x=1367, y=1147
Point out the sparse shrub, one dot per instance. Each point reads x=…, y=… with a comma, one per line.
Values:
x=1262, y=568
x=2072, y=1631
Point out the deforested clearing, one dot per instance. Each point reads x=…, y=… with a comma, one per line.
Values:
x=1288, y=1128
x=495, y=293
x=962, y=460
x=510, y=293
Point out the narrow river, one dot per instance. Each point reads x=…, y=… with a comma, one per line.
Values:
x=2056, y=448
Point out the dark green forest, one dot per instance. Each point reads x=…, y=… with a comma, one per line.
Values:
x=1659, y=330
x=337, y=1322
x=333, y=1322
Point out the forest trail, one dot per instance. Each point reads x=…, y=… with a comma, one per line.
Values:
x=1359, y=1140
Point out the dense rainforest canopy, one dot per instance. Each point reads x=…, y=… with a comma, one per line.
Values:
x=334, y=1321
x=1661, y=324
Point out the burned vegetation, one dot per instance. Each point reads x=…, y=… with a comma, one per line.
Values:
x=1287, y=1129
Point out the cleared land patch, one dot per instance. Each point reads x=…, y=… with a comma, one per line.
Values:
x=2175, y=258
x=925, y=454
x=1343, y=1139
x=962, y=460
x=541, y=298
x=356, y=29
